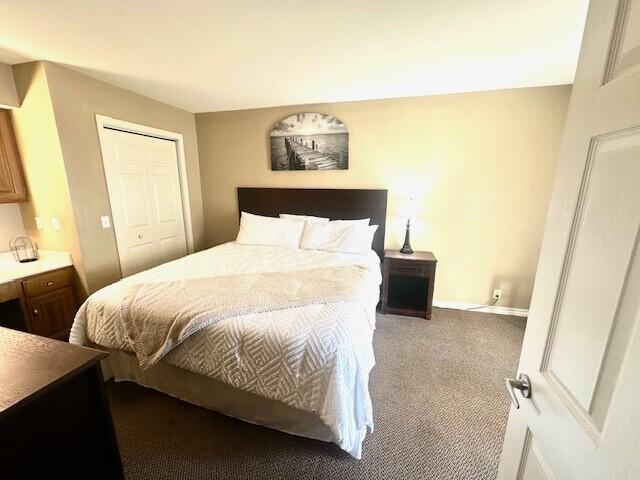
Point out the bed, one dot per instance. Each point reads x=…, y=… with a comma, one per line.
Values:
x=303, y=369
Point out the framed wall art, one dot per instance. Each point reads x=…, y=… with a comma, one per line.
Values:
x=310, y=141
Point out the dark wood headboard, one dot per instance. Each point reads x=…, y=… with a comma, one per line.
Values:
x=336, y=204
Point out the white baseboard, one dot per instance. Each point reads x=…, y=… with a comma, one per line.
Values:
x=518, y=312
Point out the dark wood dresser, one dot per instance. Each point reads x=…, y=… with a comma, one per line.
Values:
x=55, y=420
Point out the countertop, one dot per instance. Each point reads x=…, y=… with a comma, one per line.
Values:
x=11, y=269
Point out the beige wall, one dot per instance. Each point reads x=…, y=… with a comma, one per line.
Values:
x=11, y=225
x=76, y=99
x=58, y=141
x=43, y=165
x=479, y=164
x=8, y=94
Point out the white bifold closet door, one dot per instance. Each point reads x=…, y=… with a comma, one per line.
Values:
x=146, y=204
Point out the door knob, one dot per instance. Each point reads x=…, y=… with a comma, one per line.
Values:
x=140, y=236
x=521, y=383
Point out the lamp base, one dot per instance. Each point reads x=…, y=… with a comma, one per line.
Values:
x=406, y=248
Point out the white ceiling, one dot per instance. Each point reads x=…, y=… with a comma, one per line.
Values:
x=226, y=55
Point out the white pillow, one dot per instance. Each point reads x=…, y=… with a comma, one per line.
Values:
x=278, y=232
x=304, y=218
x=362, y=221
x=338, y=237
x=356, y=238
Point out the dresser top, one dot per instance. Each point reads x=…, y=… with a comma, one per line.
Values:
x=30, y=364
x=419, y=256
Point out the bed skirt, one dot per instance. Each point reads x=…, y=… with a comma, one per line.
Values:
x=219, y=397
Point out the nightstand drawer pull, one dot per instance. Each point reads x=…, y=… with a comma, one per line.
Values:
x=47, y=284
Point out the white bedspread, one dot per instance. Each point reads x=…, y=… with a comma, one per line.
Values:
x=315, y=358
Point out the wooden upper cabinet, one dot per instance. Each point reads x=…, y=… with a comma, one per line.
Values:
x=12, y=185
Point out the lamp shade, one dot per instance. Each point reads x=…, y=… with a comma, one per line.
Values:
x=408, y=208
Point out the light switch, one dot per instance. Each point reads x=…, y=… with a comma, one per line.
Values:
x=55, y=223
x=39, y=224
x=105, y=221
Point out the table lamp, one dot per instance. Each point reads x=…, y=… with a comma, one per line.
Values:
x=408, y=210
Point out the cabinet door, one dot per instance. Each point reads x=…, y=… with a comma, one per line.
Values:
x=52, y=314
x=12, y=186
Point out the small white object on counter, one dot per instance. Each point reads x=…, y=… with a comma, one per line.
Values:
x=11, y=269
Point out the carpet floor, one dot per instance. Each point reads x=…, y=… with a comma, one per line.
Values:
x=439, y=404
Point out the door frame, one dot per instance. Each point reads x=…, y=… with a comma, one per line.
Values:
x=103, y=121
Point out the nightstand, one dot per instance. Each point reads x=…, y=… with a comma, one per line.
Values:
x=407, y=283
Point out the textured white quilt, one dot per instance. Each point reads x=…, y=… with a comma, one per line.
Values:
x=315, y=357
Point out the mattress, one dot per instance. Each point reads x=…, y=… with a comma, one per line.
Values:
x=314, y=358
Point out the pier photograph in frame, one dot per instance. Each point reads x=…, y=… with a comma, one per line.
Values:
x=310, y=141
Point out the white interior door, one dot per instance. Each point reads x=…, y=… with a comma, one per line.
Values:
x=582, y=345
x=144, y=190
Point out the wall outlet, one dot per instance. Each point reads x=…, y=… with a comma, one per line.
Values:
x=39, y=224
x=497, y=293
x=55, y=223
x=105, y=221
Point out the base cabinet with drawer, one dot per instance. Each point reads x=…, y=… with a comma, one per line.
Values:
x=48, y=303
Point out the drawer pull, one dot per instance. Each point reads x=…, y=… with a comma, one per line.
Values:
x=47, y=284
x=36, y=312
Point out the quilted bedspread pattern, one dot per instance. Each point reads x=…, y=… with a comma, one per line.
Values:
x=315, y=357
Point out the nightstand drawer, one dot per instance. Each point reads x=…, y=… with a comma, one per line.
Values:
x=408, y=267
x=47, y=282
